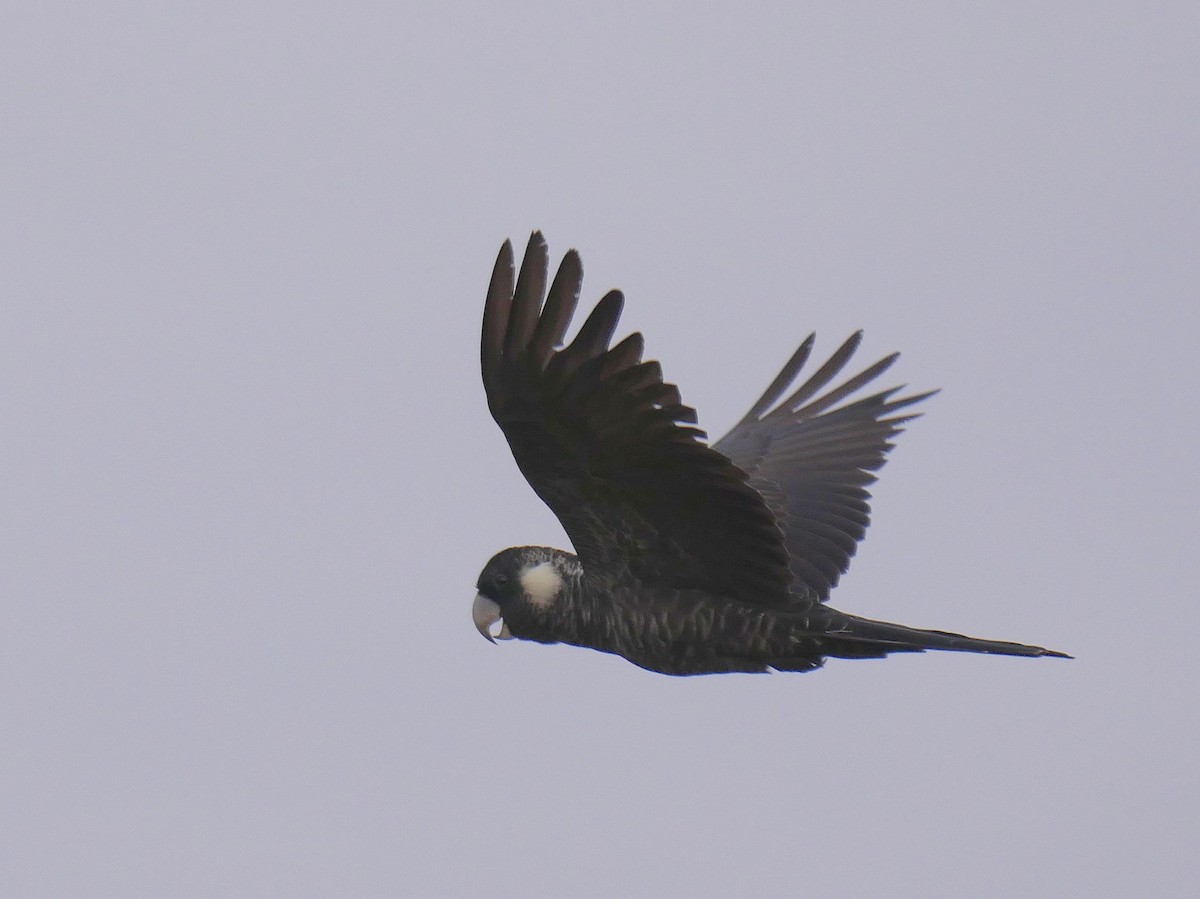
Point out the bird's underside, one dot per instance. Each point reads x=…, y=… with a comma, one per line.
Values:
x=690, y=559
x=743, y=640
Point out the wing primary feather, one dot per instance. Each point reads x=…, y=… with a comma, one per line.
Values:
x=495, y=316
x=825, y=373
x=782, y=380
x=593, y=337
x=559, y=309
x=840, y=393
x=625, y=354
x=527, y=297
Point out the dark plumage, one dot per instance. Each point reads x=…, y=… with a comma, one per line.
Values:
x=691, y=559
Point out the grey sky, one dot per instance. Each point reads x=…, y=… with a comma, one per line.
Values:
x=250, y=476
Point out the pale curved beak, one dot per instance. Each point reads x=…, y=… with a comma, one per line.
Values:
x=485, y=613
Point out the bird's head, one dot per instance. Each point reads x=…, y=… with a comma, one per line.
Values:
x=520, y=589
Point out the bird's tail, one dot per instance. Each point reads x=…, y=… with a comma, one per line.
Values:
x=861, y=637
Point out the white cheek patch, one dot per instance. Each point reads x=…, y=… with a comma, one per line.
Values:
x=541, y=584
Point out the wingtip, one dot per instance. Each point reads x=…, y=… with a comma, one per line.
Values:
x=535, y=249
x=537, y=252
x=503, y=272
x=505, y=254
x=851, y=344
x=609, y=308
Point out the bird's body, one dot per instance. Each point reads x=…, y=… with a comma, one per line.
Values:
x=691, y=559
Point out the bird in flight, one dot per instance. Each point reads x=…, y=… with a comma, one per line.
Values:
x=689, y=558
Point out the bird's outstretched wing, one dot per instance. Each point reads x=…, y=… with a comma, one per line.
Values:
x=610, y=447
x=812, y=462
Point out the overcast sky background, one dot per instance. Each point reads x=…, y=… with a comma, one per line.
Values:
x=250, y=478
